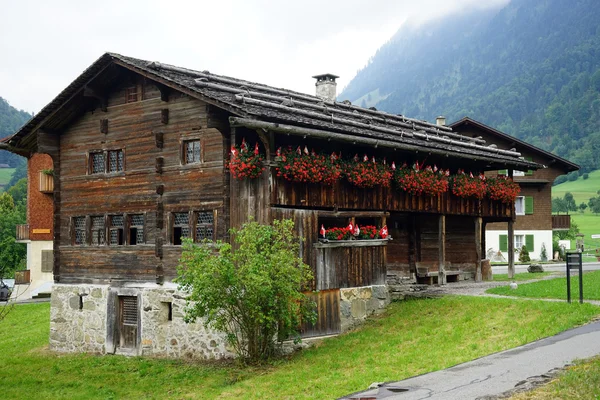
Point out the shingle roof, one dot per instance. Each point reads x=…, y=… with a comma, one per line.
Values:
x=281, y=106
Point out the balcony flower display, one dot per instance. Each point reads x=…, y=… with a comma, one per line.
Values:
x=466, y=186
x=502, y=188
x=338, y=234
x=244, y=163
x=418, y=180
x=304, y=166
x=366, y=232
x=367, y=173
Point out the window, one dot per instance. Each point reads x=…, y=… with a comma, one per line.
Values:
x=181, y=227
x=47, y=260
x=110, y=161
x=115, y=161
x=116, y=230
x=519, y=242
x=191, y=151
x=79, y=228
x=98, y=230
x=204, y=225
x=97, y=163
x=136, y=229
x=198, y=226
x=520, y=205
x=131, y=94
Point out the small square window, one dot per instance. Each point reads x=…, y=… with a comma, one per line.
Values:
x=191, y=151
x=97, y=163
x=131, y=94
x=519, y=242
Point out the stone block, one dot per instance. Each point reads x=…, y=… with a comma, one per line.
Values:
x=74, y=302
x=359, y=309
x=96, y=293
x=535, y=268
x=380, y=292
x=365, y=292
x=89, y=305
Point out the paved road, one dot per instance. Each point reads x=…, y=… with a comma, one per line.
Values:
x=593, y=266
x=497, y=373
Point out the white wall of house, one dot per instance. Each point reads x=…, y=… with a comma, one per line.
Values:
x=41, y=282
x=492, y=240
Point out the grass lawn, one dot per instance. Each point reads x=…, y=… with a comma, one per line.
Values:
x=582, y=189
x=556, y=288
x=581, y=381
x=589, y=224
x=5, y=175
x=403, y=343
x=524, y=276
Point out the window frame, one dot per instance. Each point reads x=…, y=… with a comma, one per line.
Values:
x=131, y=226
x=184, y=151
x=521, y=239
x=520, y=200
x=74, y=230
x=107, y=229
x=106, y=161
x=116, y=228
x=192, y=225
x=101, y=231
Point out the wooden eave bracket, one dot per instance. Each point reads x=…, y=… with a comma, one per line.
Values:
x=102, y=98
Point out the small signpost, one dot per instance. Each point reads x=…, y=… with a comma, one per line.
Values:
x=575, y=261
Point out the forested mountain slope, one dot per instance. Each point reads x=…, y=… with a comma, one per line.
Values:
x=530, y=69
x=11, y=120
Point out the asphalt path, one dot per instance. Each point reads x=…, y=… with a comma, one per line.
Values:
x=497, y=373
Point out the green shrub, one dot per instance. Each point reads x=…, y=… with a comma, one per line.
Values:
x=524, y=254
x=250, y=291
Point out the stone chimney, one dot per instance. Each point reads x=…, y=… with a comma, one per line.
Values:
x=440, y=121
x=326, y=86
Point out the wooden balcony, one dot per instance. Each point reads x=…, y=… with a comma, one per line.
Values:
x=343, y=195
x=561, y=222
x=46, y=182
x=22, y=277
x=22, y=232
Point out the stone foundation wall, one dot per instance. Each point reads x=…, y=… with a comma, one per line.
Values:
x=80, y=320
x=357, y=304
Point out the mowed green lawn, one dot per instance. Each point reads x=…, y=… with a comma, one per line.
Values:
x=589, y=224
x=524, y=276
x=555, y=288
x=582, y=189
x=413, y=337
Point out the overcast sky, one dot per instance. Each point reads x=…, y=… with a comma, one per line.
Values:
x=44, y=45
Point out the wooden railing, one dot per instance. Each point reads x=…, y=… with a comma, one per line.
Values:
x=46, y=182
x=22, y=277
x=22, y=232
x=346, y=196
x=561, y=222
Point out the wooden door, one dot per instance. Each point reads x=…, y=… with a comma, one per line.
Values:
x=128, y=322
x=328, y=314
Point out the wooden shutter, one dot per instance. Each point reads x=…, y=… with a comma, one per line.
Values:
x=47, y=260
x=503, y=242
x=528, y=204
x=128, y=321
x=529, y=242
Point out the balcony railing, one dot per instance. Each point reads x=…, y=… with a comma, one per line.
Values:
x=22, y=277
x=46, y=182
x=22, y=232
x=561, y=222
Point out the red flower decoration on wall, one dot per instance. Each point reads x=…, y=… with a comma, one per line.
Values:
x=310, y=167
x=245, y=164
x=503, y=189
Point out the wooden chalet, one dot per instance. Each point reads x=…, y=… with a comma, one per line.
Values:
x=140, y=154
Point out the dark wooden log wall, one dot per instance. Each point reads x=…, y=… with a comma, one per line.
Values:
x=343, y=195
x=145, y=135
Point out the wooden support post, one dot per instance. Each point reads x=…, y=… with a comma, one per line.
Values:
x=511, y=249
x=478, y=224
x=442, y=250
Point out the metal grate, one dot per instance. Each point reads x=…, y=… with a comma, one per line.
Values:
x=116, y=221
x=115, y=161
x=206, y=218
x=205, y=225
x=97, y=163
x=98, y=230
x=130, y=310
x=137, y=220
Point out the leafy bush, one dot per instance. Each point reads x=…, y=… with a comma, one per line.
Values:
x=250, y=291
x=524, y=254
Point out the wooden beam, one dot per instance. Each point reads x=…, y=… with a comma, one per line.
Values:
x=21, y=152
x=48, y=143
x=442, y=250
x=511, y=249
x=478, y=225
x=102, y=98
